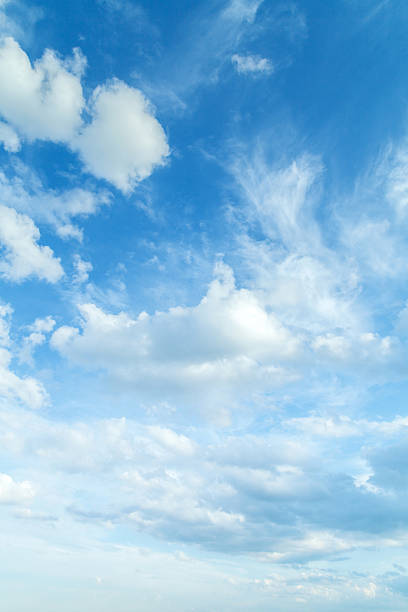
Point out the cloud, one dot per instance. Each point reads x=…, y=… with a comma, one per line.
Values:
x=82, y=270
x=242, y=10
x=227, y=343
x=124, y=142
x=42, y=101
x=12, y=492
x=252, y=64
x=9, y=138
x=37, y=337
x=26, y=391
x=22, y=255
x=25, y=192
x=281, y=198
x=268, y=493
x=306, y=284
x=343, y=426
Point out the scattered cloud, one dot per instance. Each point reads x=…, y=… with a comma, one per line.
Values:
x=38, y=335
x=42, y=101
x=124, y=141
x=22, y=256
x=26, y=194
x=252, y=64
x=82, y=270
x=9, y=138
x=12, y=492
x=225, y=343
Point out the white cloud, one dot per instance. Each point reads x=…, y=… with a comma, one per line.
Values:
x=26, y=391
x=227, y=343
x=37, y=337
x=42, y=101
x=306, y=284
x=12, y=492
x=9, y=138
x=281, y=199
x=82, y=270
x=124, y=141
x=242, y=10
x=25, y=192
x=43, y=325
x=22, y=256
x=342, y=426
x=122, y=144
x=252, y=64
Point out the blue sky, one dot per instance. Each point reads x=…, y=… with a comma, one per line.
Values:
x=204, y=313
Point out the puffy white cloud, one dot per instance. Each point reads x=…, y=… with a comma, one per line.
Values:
x=27, y=391
x=252, y=64
x=42, y=101
x=22, y=255
x=124, y=141
x=43, y=325
x=225, y=343
x=12, y=492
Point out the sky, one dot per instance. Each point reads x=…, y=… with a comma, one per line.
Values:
x=204, y=306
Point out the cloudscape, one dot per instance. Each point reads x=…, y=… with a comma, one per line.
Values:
x=204, y=305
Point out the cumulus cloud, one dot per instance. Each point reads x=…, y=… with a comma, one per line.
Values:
x=227, y=341
x=252, y=64
x=44, y=100
x=124, y=141
x=12, y=492
x=22, y=256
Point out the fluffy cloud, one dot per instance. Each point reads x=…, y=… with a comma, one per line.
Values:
x=42, y=101
x=23, y=256
x=27, y=391
x=124, y=141
x=12, y=492
x=252, y=64
x=228, y=341
x=122, y=144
